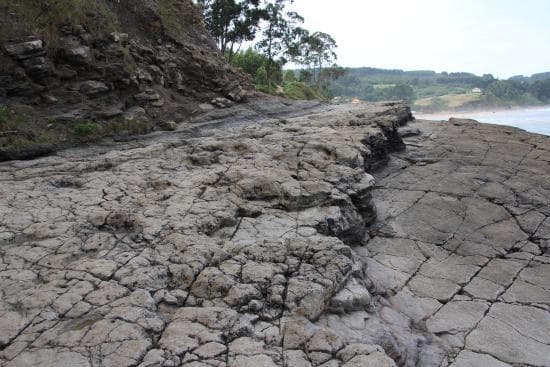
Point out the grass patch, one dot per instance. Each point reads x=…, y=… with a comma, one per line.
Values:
x=85, y=128
x=4, y=114
x=293, y=90
x=299, y=90
x=449, y=101
x=438, y=90
x=127, y=127
x=18, y=17
x=23, y=136
x=169, y=15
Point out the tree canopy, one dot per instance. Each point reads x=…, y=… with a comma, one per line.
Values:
x=231, y=22
x=277, y=35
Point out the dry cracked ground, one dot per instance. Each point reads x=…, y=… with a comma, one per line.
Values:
x=282, y=235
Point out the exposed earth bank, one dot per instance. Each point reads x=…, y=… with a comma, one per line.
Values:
x=75, y=71
x=278, y=234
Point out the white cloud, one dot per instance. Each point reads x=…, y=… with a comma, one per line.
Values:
x=503, y=37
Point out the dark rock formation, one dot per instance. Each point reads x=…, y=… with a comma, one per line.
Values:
x=152, y=54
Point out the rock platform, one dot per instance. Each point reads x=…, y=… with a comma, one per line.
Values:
x=281, y=234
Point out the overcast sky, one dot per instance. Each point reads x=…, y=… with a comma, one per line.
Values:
x=502, y=37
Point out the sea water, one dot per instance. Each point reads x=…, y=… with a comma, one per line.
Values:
x=535, y=120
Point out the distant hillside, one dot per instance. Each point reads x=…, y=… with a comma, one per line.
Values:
x=431, y=91
x=540, y=76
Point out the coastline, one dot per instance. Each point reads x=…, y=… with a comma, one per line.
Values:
x=460, y=113
x=534, y=119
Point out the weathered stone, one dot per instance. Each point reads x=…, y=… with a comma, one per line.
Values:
x=79, y=55
x=251, y=361
x=49, y=358
x=169, y=125
x=25, y=49
x=440, y=289
x=353, y=350
x=467, y=358
x=325, y=341
x=119, y=37
x=296, y=358
x=376, y=359
x=147, y=96
x=456, y=316
x=513, y=334
x=353, y=297
x=92, y=87
x=11, y=324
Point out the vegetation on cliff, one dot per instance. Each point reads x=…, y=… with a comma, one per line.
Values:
x=278, y=39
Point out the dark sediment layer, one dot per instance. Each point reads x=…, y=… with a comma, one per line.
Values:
x=71, y=74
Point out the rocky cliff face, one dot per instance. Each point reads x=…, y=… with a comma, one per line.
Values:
x=100, y=60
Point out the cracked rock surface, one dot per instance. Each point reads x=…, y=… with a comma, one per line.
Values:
x=277, y=234
x=216, y=245
x=458, y=260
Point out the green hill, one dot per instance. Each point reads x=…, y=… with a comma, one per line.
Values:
x=432, y=91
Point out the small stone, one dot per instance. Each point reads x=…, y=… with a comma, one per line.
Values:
x=93, y=87
x=119, y=37
x=147, y=96
x=24, y=50
x=376, y=359
x=206, y=107
x=79, y=55
x=144, y=76
x=221, y=102
x=325, y=341
x=353, y=297
x=49, y=99
x=168, y=125
x=158, y=103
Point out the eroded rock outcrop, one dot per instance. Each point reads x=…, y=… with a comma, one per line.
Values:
x=150, y=53
x=281, y=234
x=67, y=62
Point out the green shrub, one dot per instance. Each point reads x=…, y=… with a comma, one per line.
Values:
x=127, y=127
x=4, y=114
x=85, y=128
x=290, y=76
x=299, y=90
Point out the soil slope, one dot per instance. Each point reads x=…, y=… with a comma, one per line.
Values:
x=74, y=71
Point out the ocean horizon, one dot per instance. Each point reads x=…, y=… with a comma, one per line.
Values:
x=532, y=119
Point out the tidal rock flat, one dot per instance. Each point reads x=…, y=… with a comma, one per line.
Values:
x=278, y=234
x=458, y=261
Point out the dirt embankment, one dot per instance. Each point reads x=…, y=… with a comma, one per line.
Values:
x=72, y=72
